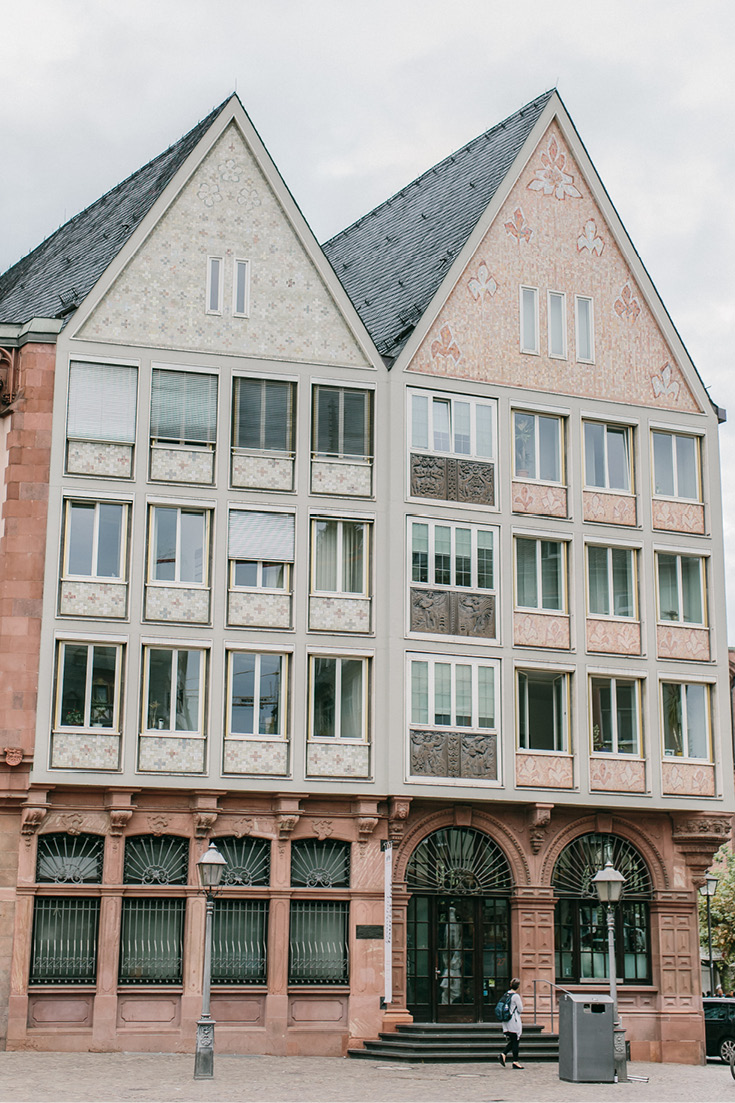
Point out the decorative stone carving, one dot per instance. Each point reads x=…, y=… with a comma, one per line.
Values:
x=541, y=630
x=609, y=508
x=617, y=775
x=698, y=838
x=286, y=824
x=243, y=826
x=157, y=824
x=119, y=819
x=365, y=827
x=322, y=829
x=454, y=480
x=73, y=825
x=31, y=820
x=454, y=754
x=538, y=817
x=203, y=823
x=13, y=755
x=539, y=498
x=689, y=779
x=544, y=771
x=450, y=613
x=679, y=641
x=615, y=637
x=678, y=516
x=398, y=809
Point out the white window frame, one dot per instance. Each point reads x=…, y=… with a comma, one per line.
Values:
x=366, y=457
x=536, y=414
x=674, y=434
x=454, y=661
x=259, y=588
x=549, y=539
x=68, y=504
x=534, y=291
x=577, y=300
x=245, y=265
x=211, y=262
x=678, y=556
x=609, y=548
x=237, y=379
x=176, y=581
x=337, y=740
x=446, y=396
x=279, y=737
x=668, y=756
x=613, y=680
x=561, y=725
x=86, y=725
x=562, y=296
x=175, y=650
x=627, y=429
x=433, y=523
x=366, y=556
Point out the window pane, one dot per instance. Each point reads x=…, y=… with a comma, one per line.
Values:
x=327, y=420
x=318, y=943
x=159, y=688
x=622, y=572
x=215, y=267
x=549, y=449
x=687, y=474
x=81, y=538
x=627, y=719
x=673, y=735
x=526, y=573
x=102, y=705
x=352, y=557
x=485, y=560
x=525, y=445
x=440, y=411
x=325, y=674
x=109, y=540
x=617, y=459
x=442, y=693
x=246, y=573
x=278, y=421
x=691, y=588
x=274, y=575
x=183, y=407
x=419, y=421
x=541, y=729
x=187, y=691
x=484, y=432
x=551, y=582
x=442, y=555
x=462, y=428
x=420, y=553
x=164, y=544
x=151, y=941
x=528, y=321
x=241, y=286
x=351, y=699
x=486, y=696
x=64, y=946
x=668, y=588
x=356, y=423
x=594, y=454
x=523, y=733
x=419, y=693
x=463, y=695
x=270, y=695
x=584, y=329
x=74, y=686
x=243, y=694
x=325, y=551
x=697, y=733
x=463, y=557
x=556, y=325
x=663, y=463
x=599, y=588
x=560, y=713
x=602, y=722
x=192, y=547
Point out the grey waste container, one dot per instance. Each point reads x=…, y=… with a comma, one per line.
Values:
x=586, y=1039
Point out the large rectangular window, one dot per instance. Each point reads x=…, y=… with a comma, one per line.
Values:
x=340, y=555
x=264, y=412
x=540, y=571
x=342, y=423
x=261, y=550
x=681, y=588
x=94, y=539
x=686, y=720
x=457, y=426
x=318, y=942
x=173, y=695
x=257, y=694
x=64, y=941
x=183, y=407
x=607, y=456
x=88, y=686
x=240, y=942
x=537, y=449
x=529, y=319
x=557, y=309
x=151, y=941
x=179, y=545
x=543, y=710
x=452, y=555
x=676, y=463
x=452, y=693
x=611, y=581
x=615, y=716
x=102, y=402
x=338, y=698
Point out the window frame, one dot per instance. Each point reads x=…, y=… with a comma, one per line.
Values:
x=283, y=696
x=213, y=260
x=563, y=609
x=69, y=503
x=243, y=449
x=536, y=414
x=561, y=295
x=564, y=731
x=474, y=402
x=683, y=684
x=89, y=728
x=609, y=548
x=679, y=620
x=698, y=446
x=181, y=441
x=367, y=525
x=453, y=661
x=368, y=454
x=535, y=351
x=177, y=582
x=336, y=739
x=591, y=314
x=629, y=444
x=179, y=733
x=613, y=679
x=237, y=263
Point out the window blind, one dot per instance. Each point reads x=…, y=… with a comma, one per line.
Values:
x=267, y=536
x=184, y=407
x=102, y=402
x=263, y=411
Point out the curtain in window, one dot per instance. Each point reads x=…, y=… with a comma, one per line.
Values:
x=352, y=557
x=599, y=595
x=442, y=694
x=668, y=590
x=622, y=574
x=691, y=589
x=687, y=468
x=102, y=402
x=184, y=407
x=325, y=697
x=351, y=699
x=549, y=449
x=526, y=579
x=326, y=534
x=697, y=727
x=551, y=560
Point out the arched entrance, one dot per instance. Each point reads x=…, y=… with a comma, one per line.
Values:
x=458, y=927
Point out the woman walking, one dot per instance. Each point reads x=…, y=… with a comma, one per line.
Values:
x=513, y=1028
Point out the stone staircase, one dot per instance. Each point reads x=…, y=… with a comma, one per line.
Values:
x=417, y=1042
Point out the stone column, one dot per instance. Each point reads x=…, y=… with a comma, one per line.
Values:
x=532, y=949
x=276, y=1002
x=366, y=954
x=677, y=975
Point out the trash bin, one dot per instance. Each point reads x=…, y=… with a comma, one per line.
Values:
x=586, y=1039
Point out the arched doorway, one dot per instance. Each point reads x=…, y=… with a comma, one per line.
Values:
x=458, y=927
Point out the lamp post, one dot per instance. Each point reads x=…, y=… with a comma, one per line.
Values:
x=609, y=884
x=211, y=867
x=708, y=890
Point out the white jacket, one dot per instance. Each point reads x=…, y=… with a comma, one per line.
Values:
x=514, y=1025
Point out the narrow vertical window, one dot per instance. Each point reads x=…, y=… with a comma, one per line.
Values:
x=529, y=319
x=214, y=285
x=585, y=338
x=241, y=289
x=557, y=324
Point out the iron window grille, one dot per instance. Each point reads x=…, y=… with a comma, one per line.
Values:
x=69, y=859
x=323, y=864
x=151, y=941
x=318, y=946
x=239, y=941
x=248, y=861
x=64, y=940
x=458, y=860
x=156, y=860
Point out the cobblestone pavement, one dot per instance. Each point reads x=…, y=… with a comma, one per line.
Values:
x=103, y=1077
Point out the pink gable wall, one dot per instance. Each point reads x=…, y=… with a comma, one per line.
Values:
x=551, y=234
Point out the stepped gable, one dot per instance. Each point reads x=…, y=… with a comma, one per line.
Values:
x=57, y=275
x=392, y=260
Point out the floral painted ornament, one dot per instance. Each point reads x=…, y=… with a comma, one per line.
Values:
x=552, y=179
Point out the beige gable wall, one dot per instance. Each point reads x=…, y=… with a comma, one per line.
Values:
x=551, y=234
x=226, y=209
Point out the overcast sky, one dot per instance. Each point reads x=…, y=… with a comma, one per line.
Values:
x=354, y=99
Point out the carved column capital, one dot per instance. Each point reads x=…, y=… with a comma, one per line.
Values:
x=699, y=837
x=119, y=819
x=203, y=823
x=398, y=809
x=538, y=819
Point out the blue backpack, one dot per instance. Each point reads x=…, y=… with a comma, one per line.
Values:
x=502, y=1008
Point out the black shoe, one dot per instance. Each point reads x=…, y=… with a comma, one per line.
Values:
x=517, y=1066
x=501, y=1058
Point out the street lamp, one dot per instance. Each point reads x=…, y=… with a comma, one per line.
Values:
x=708, y=890
x=609, y=884
x=211, y=867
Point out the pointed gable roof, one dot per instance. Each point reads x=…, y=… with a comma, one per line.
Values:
x=55, y=277
x=392, y=260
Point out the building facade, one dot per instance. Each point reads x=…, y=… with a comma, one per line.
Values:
x=410, y=545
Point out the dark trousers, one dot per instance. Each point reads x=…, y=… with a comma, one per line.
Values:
x=511, y=1047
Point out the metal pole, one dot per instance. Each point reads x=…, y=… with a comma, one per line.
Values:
x=387, y=848
x=204, y=1055
x=619, y=1048
x=709, y=944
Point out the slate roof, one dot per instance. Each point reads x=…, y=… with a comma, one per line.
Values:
x=54, y=278
x=392, y=260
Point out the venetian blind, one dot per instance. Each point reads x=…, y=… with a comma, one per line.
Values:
x=184, y=407
x=102, y=402
x=266, y=536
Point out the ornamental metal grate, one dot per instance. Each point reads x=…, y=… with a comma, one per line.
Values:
x=584, y=857
x=151, y=941
x=64, y=943
x=318, y=942
x=460, y=861
x=239, y=941
x=248, y=860
x=156, y=860
x=70, y=859
x=323, y=864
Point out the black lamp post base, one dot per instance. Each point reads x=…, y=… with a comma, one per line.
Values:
x=204, y=1055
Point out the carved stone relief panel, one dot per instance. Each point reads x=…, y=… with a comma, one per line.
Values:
x=541, y=630
x=679, y=516
x=544, y=771
x=678, y=641
x=454, y=754
x=617, y=775
x=609, y=508
x=538, y=498
x=614, y=637
x=688, y=779
x=452, y=479
x=453, y=614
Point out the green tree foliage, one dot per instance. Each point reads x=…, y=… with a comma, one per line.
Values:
x=722, y=907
